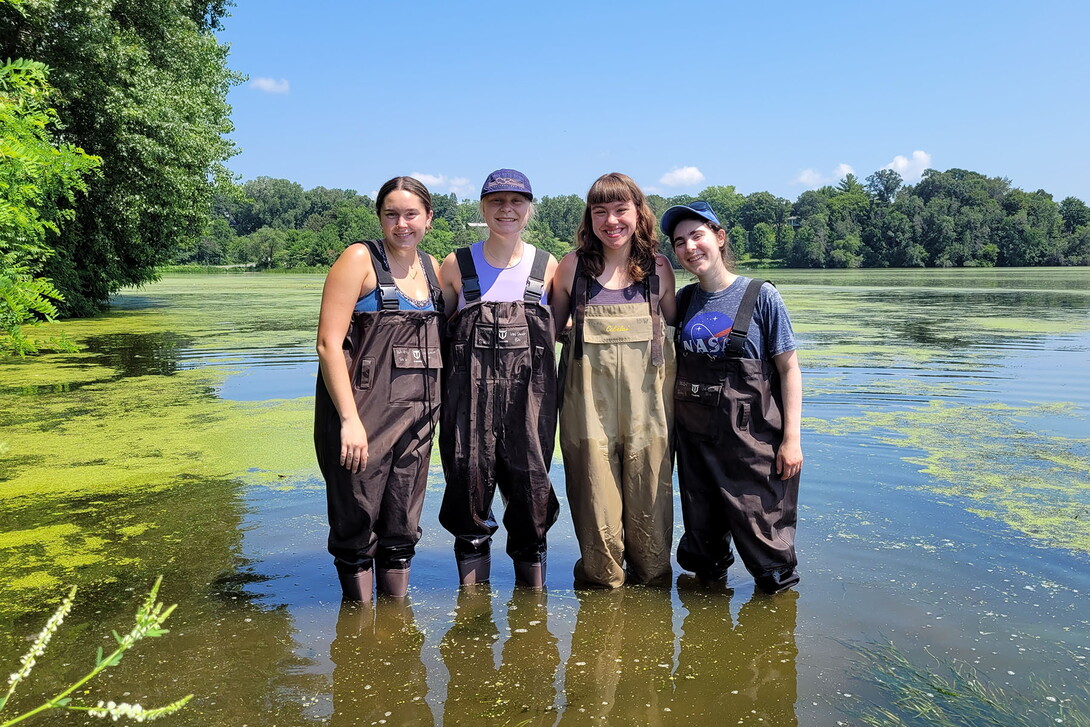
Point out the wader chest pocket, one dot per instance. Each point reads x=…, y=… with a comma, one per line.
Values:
x=413, y=357
x=696, y=406
x=501, y=337
x=616, y=329
x=364, y=373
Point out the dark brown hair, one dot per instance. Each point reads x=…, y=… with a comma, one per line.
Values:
x=725, y=251
x=409, y=184
x=617, y=187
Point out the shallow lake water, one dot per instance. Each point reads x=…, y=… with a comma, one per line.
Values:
x=944, y=508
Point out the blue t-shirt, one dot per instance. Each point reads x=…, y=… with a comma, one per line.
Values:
x=710, y=318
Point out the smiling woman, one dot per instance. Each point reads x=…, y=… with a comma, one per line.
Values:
x=617, y=378
x=378, y=393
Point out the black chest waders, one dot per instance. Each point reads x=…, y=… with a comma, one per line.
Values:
x=498, y=426
x=728, y=428
x=393, y=358
x=615, y=436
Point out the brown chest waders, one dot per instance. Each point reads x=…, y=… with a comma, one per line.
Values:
x=393, y=358
x=615, y=423
x=498, y=425
x=728, y=428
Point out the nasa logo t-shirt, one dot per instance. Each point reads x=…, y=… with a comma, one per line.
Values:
x=706, y=332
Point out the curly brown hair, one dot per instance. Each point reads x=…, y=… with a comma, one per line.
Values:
x=617, y=187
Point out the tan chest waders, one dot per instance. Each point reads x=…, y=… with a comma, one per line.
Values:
x=393, y=358
x=729, y=426
x=499, y=425
x=615, y=425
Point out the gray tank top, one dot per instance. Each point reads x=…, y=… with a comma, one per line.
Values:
x=598, y=294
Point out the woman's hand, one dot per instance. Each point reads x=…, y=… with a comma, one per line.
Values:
x=789, y=459
x=353, y=445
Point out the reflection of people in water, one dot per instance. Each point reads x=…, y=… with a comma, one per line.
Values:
x=734, y=673
x=523, y=689
x=622, y=652
x=378, y=673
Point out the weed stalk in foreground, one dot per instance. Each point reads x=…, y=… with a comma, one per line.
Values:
x=149, y=621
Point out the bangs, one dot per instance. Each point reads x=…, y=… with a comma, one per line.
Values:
x=613, y=188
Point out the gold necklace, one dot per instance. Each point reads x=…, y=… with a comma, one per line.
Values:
x=410, y=272
x=509, y=265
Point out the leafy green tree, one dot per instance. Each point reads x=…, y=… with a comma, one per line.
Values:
x=739, y=242
x=39, y=181
x=883, y=185
x=271, y=202
x=562, y=215
x=1075, y=214
x=762, y=241
x=142, y=84
x=762, y=207
x=727, y=203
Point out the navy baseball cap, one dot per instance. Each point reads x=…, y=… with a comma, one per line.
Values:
x=680, y=212
x=507, y=180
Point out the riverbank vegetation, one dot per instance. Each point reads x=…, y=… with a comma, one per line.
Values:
x=114, y=135
x=955, y=218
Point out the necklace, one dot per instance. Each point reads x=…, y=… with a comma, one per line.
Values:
x=512, y=261
x=410, y=272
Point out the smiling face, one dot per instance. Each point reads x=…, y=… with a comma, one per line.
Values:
x=614, y=223
x=404, y=219
x=699, y=249
x=506, y=213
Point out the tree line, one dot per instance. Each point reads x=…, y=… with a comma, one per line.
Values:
x=955, y=218
x=113, y=138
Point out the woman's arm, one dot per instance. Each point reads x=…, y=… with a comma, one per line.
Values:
x=560, y=291
x=789, y=456
x=667, y=302
x=350, y=277
x=450, y=279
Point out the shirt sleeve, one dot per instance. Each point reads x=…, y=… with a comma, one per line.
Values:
x=775, y=322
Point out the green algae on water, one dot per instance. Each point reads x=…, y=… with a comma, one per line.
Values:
x=1036, y=483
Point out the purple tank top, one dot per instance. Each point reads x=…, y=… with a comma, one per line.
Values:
x=598, y=294
x=501, y=284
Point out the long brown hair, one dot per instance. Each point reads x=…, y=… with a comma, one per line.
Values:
x=617, y=187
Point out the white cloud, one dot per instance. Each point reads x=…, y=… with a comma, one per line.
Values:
x=461, y=186
x=270, y=85
x=812, y=178
x=682, y=177
x=910, y=169
x=809, y=178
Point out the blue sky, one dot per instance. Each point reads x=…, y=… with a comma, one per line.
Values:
x=780, y=97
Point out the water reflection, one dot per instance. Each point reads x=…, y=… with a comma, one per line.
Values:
x=378, y=674
x=735, y=673
x=621, y=655
x=522, y=690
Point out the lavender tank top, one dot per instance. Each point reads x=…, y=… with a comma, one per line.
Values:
x=598, y=294
x=501, y=284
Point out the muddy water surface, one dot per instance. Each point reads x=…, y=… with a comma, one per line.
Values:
x=945, y=507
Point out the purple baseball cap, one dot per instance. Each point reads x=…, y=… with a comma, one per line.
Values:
x=507, y=180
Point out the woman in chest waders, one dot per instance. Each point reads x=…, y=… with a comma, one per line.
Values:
x=617, y=404
x=499, y=393
x=377, y=400
x=738, y=405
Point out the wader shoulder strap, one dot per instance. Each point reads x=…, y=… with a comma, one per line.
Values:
x=433, y=280
x=684, y=300
x=535, y=284
x=737, y=338
x=387, y=288
x=653, y=297
x=579, y=308
x=471, y=284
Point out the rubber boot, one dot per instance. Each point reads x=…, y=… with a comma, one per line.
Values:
x=357, y=585
x=393, y=582
x=474, y=569
x=530, y=575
